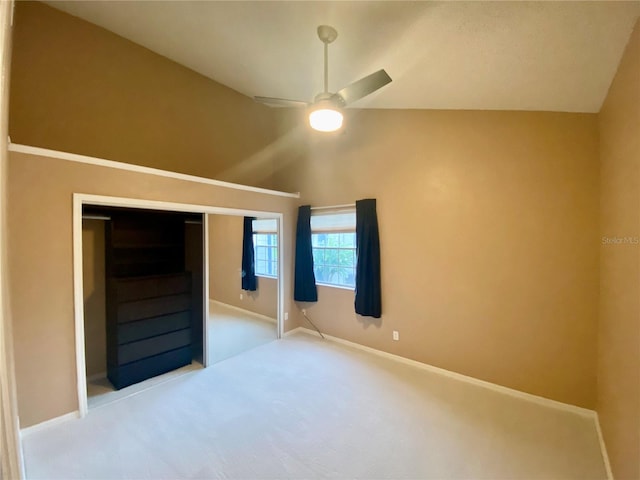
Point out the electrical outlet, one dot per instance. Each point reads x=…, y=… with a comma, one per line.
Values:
x=396, y=335
x=286, y=316
x=304, y=311
x=241, y=296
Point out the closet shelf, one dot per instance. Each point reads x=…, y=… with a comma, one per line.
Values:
x=146, y=246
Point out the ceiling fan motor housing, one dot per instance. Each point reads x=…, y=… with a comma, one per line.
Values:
x=327, y=34
x=329, y=98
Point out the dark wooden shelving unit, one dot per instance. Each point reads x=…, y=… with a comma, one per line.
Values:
x=149, y=295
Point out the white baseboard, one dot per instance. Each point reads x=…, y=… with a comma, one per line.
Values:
x=49, y=423
x=96, y=376
x=603, y=449
x=585, y=412
x=292, y=331
x=243, y=310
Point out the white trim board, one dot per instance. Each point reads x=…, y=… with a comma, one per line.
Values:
x=49, y=423
x=585, y=412
x=74, y=157
x=78, y=307
x=205, y=290
x=244, y=310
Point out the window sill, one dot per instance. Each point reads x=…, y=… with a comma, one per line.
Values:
x=341, y=287
x=266, y=276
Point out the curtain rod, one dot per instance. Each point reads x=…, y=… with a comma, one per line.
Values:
x=335, y=207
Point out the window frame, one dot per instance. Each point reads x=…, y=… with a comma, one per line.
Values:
x=271, y=231
x=335, y=230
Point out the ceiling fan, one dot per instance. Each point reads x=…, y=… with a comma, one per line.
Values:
x=325, y=113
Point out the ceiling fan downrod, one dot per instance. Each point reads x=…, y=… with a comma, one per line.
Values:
x=327, y=35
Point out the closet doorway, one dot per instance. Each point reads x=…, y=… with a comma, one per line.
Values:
x=90, y=292
x=143, y=290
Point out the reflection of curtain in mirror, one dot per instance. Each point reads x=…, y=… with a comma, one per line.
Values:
x=368, y=292
x=248, y=265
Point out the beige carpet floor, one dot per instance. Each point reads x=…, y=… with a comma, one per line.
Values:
x=231, y=331
x=302, y=407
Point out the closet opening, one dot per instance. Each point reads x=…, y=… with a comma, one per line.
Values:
x=136, y=261
x=143, y=289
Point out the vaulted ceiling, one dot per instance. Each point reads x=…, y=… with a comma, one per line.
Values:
x=557, y=56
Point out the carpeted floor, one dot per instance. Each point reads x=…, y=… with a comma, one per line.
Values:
x=231, y=331
x=306, y=408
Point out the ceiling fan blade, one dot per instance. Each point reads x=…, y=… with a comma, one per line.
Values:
x=364, y=86
x=280, y=102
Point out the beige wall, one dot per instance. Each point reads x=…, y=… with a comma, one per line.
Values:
x=225, y=262
x=40, y=264
x=489, y=240
x=93, y=285
x=79, y=88
x=619, y=328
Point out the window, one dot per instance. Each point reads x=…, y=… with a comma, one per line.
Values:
x=333, y=240
x=265, y=247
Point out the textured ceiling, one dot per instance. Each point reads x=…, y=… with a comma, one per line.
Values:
x=558, y=56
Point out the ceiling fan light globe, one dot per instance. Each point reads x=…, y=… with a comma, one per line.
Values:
x=325, y=119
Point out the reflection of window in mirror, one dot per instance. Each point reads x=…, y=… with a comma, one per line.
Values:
x=333, y=238
x=265, y=247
